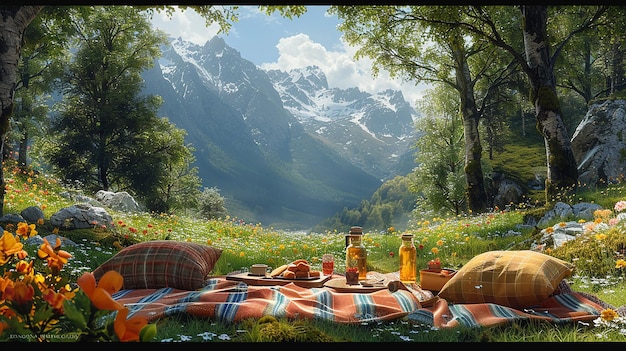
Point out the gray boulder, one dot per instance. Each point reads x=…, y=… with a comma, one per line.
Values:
x=12, y=218
x=560, y=211
x=81, y=216
x=598, y=144
x=120, y=201
x=52, y=239
x=32, y=214
x=508, y=193
x=565, y=212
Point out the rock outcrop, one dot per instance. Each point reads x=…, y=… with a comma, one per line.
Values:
x=599, y=144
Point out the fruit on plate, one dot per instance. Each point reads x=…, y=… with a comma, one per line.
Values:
x=434, y=264
x=298, y=269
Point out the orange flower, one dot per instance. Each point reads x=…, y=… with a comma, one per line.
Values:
x=9, y=245
x=4, y=283
x=128, y=330
x=26, y=230
x=22, y=254
x=3, y=326
x=100, y=294
x=55, y=300
x=21, y=295
x=24, y=267
x=55, y=257
x=608, y=314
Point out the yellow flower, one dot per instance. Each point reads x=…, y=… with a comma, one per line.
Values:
x=608, y=314
x=620, y=263
x=602, y=214
x=434, y=250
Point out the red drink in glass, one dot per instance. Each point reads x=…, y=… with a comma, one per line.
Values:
x=328, y=264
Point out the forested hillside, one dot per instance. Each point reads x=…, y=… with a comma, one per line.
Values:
x=393, y=205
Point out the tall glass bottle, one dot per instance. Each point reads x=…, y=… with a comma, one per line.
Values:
x=356, y=254
x=408, y=259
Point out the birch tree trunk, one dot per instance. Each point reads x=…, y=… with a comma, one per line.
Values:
x=475, y=184
x=562, y=169
x=13, y=23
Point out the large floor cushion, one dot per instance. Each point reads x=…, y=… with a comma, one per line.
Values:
x=162, y=263
x=519, y=279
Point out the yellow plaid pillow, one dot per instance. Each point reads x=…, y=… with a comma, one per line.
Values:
x=518, y=279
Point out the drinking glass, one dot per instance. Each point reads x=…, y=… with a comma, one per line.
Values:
x=328, y=264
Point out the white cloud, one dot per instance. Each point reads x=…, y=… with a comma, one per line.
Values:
x=187, y=24
x=295, y=51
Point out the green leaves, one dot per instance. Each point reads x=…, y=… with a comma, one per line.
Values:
x=75, y=310
x=148, y=333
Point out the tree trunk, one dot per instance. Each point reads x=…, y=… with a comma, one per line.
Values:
x=562, y=168
x=13, y=23
x=476, y=194
x=22, y=160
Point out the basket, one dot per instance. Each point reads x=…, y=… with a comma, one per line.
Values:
x=435, y=279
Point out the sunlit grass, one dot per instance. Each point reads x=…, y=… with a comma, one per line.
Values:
x=454, y=240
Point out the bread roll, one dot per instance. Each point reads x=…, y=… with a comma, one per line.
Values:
x=304, y=267
x=314, y=274
x=289, y=275
x=302, y=274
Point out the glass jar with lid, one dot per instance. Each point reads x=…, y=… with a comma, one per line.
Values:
x=356, y=254
x=408, y=259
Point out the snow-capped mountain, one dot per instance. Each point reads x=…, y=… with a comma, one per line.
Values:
x=351, y=120
x=280, y=146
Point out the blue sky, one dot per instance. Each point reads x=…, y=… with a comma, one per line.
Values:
x=274, y=42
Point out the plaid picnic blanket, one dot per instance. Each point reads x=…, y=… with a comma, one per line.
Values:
x=232, y=301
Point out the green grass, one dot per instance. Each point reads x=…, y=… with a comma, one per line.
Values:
x=454, y=240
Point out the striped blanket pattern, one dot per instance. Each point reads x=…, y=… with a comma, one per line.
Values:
x=231, y=301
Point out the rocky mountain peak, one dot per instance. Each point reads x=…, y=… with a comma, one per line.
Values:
x=280, y=146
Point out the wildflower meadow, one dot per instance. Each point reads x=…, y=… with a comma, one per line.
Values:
x=49, y=295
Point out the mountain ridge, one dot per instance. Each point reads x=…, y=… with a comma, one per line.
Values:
x=255, y=142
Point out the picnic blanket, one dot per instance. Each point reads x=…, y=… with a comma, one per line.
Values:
x=229, y=301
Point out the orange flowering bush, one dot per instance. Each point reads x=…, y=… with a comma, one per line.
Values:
x=42, y=306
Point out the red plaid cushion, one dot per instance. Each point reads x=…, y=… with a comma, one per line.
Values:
x=162, y=263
